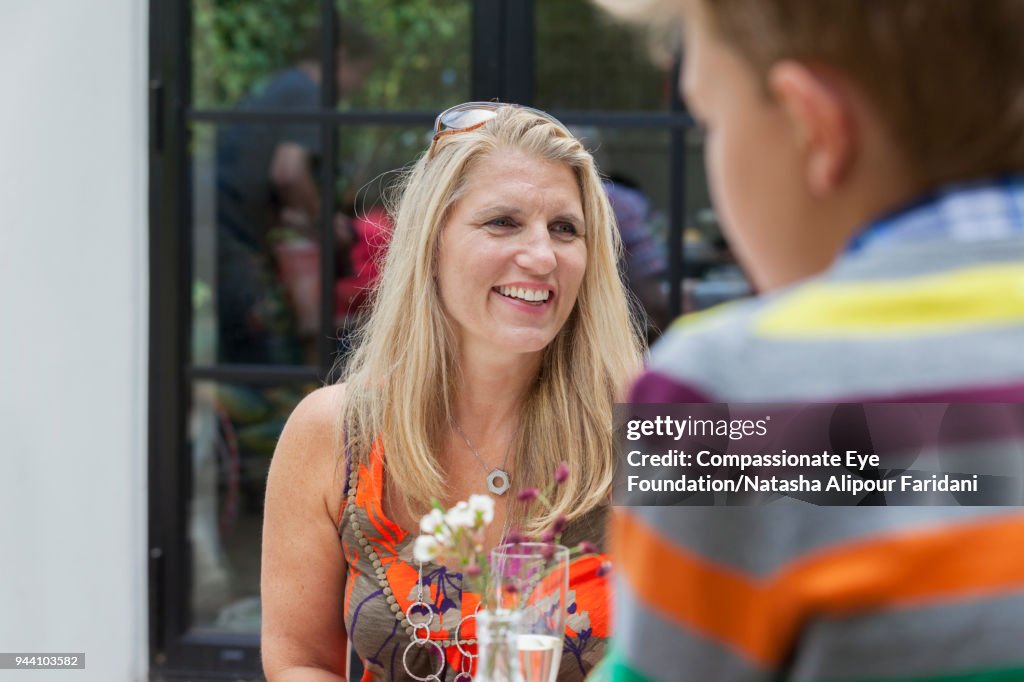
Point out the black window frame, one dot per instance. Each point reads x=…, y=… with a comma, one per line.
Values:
x=502, y=58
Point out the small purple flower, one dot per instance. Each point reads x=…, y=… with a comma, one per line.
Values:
x=562, y=473
x=547, y=550
x=588, y=548
x=511, y=589
x=548, y=536
x=604, y=569
x=473, y=571
x=516, y=537
x=558, y=527
x=527, y=495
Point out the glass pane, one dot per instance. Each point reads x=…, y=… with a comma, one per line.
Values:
x=256, y=231
x=420, y=53
x=583, y=60
x=711, y=275
x=255, y=54
x=636, y=163
x=232, y=431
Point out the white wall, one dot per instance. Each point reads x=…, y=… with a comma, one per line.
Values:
x=73, y=333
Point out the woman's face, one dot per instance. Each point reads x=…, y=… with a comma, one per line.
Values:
x=512, y=254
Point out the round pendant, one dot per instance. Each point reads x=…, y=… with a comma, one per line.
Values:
x=497, y=482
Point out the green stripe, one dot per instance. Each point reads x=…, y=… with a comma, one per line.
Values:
x=615, y=668
x=1000, y=675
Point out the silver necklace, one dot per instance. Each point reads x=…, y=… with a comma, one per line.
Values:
x=497, y=478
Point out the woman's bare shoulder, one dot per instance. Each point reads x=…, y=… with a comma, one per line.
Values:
x=309, y=452
x=317, y=416
x=325, y=403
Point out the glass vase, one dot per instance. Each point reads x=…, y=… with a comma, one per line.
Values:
x=496, y=633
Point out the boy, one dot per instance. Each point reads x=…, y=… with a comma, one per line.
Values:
x=866, y=158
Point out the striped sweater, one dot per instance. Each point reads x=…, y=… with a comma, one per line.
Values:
x=930, y=310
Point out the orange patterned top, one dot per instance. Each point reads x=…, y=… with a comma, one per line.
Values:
x=383, y=579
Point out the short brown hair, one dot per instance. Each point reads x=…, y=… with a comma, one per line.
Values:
x=946, y=75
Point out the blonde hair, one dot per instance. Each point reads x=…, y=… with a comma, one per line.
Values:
x=402, y=376
x=947, y=76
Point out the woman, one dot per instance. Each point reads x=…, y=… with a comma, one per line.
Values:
x=499, y=333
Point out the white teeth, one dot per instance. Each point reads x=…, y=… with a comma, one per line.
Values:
x=531, y=295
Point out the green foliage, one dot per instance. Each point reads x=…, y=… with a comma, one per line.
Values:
x=586, y=61
x=423, y=48
x=423, y=52
x=238, y=43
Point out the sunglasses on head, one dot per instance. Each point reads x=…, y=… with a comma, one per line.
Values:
x=472, y=115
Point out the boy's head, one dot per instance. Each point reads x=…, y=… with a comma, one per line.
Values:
x=822, y=115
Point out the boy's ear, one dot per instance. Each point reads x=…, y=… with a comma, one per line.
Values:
x=821, y=119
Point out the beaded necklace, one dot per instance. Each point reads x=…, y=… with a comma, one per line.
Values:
x=413, y=623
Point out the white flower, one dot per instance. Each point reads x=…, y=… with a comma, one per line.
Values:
x=484, y=505
x=459, y=516
x=432, y=522
x=426, y=548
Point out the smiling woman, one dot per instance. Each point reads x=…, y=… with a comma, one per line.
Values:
x=512, y=257
x=499, y=336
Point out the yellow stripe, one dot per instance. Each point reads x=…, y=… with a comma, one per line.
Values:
x=982, y=296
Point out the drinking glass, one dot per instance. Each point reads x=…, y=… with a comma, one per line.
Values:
x=533, y=579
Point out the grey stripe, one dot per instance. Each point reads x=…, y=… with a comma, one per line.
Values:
x=765, y=370
x=914, y=259
x=961, y=637
x=662, y=650
x=760, y=540
x=762, y=370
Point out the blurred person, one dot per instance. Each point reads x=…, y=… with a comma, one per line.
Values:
x=498, y=334
x=369, y=240
x=645, y=259
x=867, y=160
x=266, y=182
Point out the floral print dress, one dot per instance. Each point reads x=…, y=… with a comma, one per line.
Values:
x=383, y=582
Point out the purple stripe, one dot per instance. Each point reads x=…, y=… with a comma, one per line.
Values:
x=1008, y=393
x=653, y=387
x=969, y=414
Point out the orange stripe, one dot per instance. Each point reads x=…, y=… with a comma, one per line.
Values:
x=759, y=617
x=390, y=531
x=913, y=567
x=718, y=602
